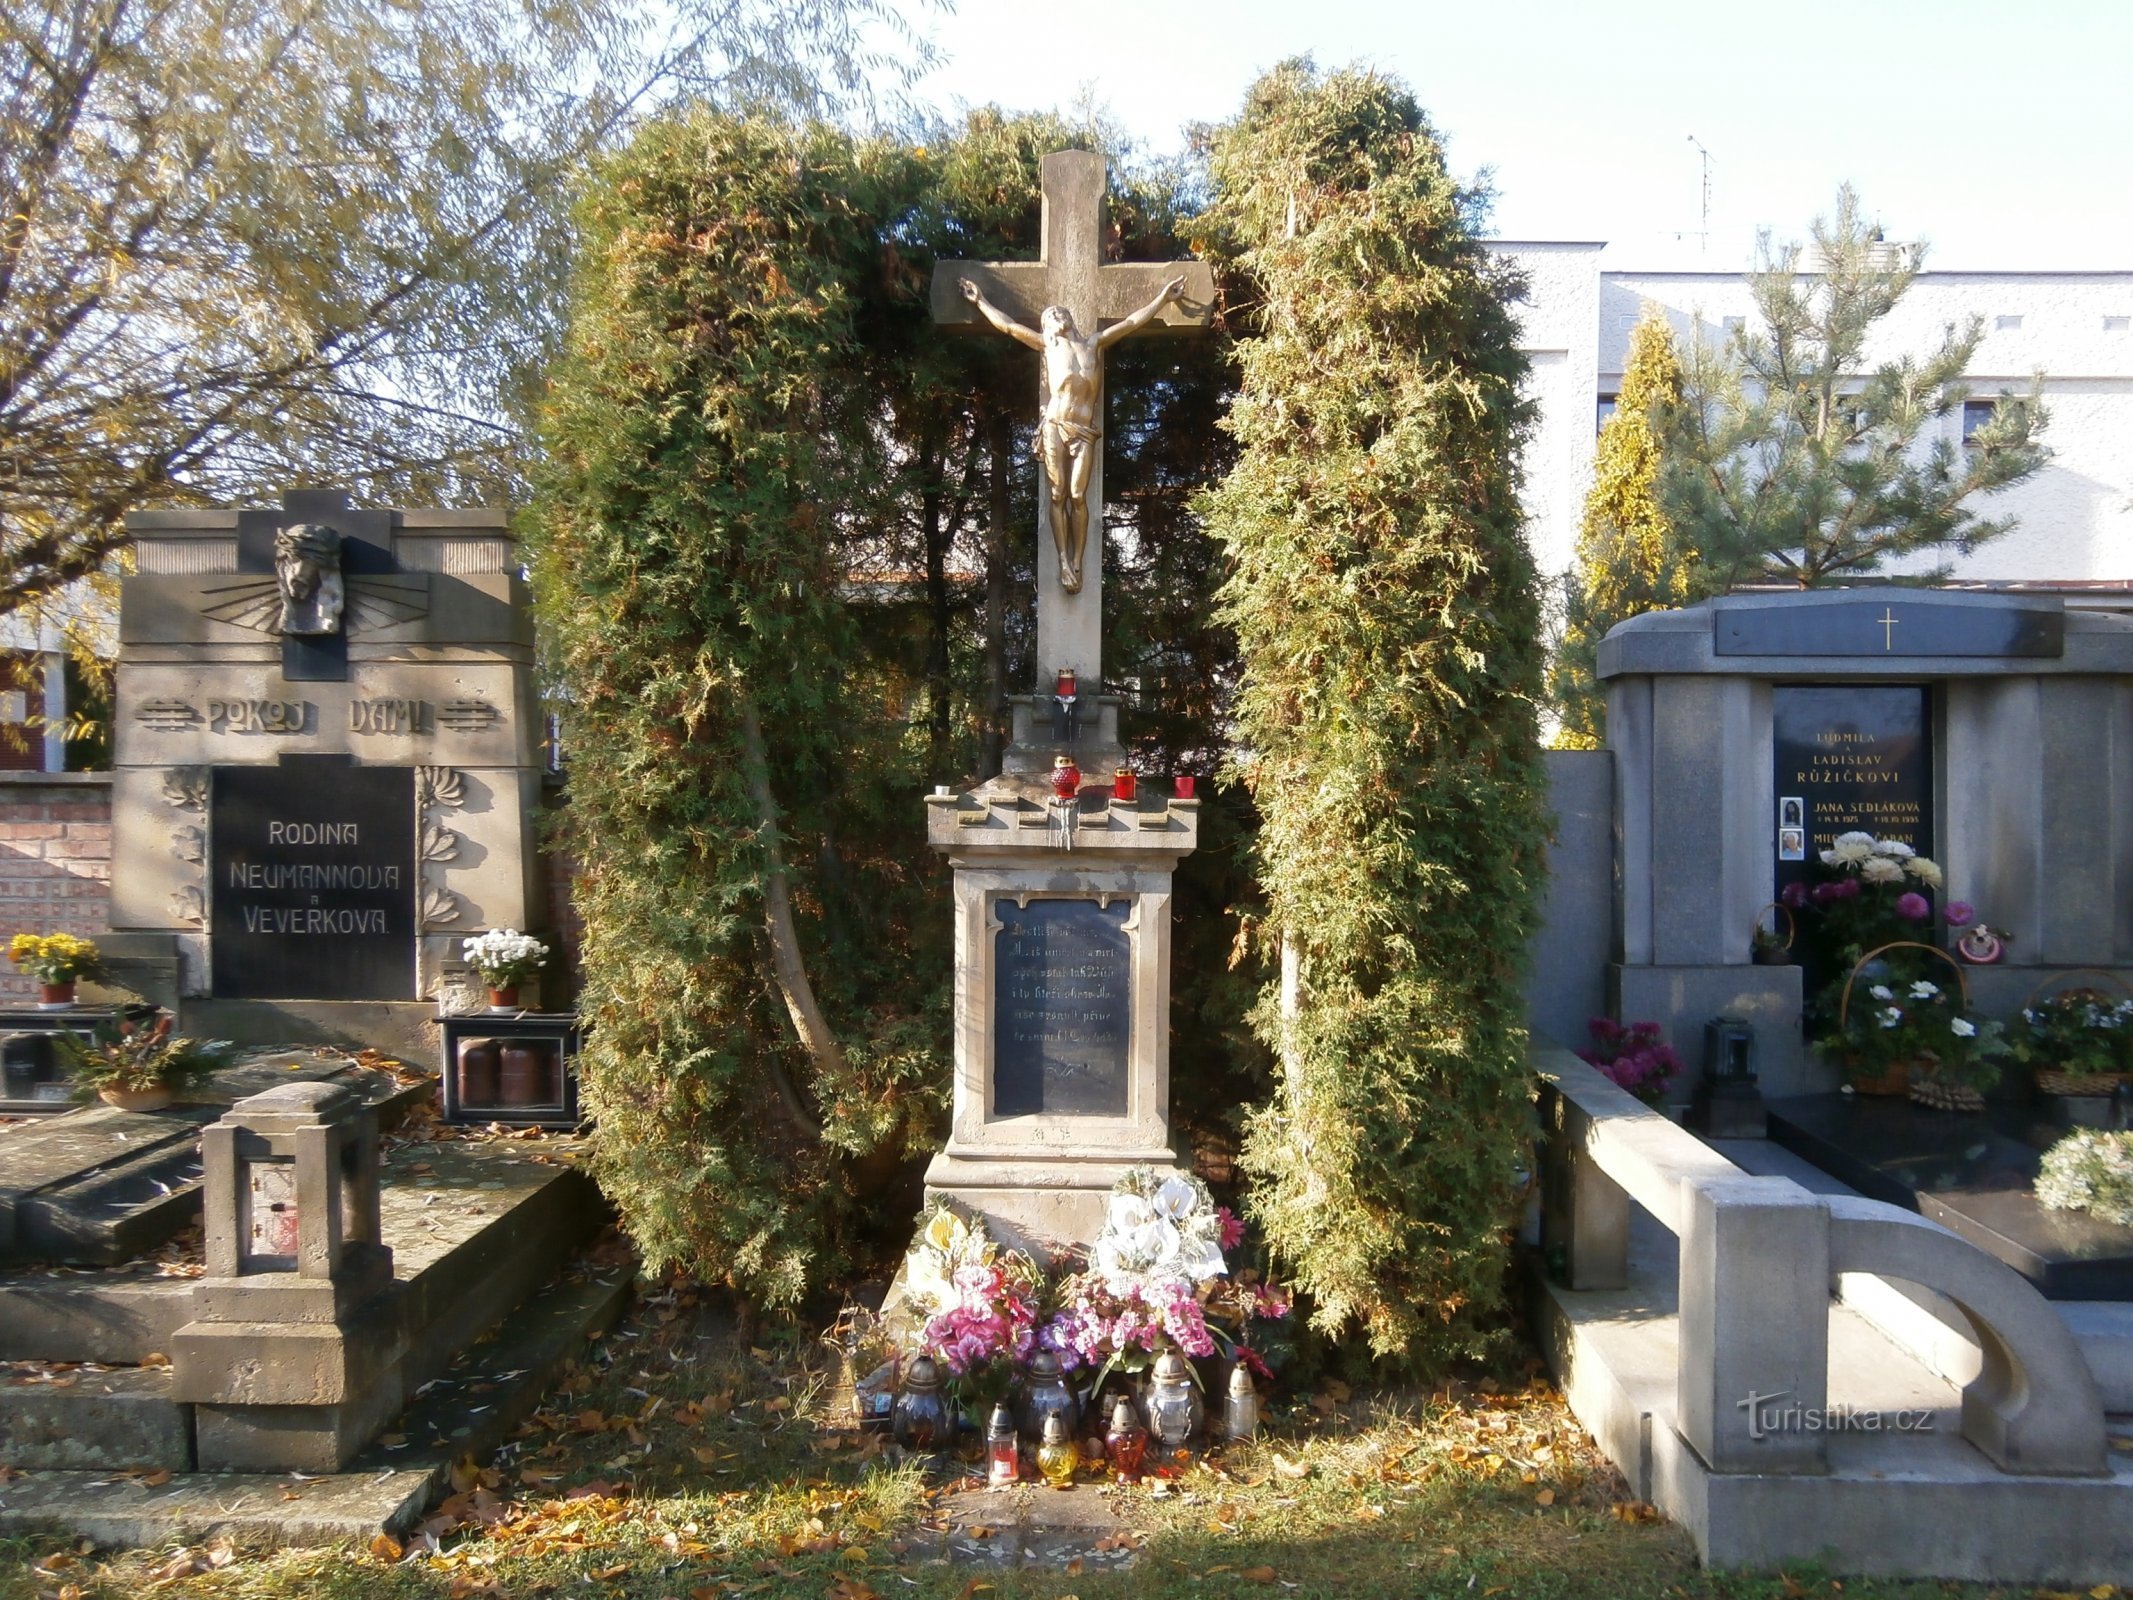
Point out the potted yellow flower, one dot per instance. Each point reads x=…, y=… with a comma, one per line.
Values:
x=57, y=961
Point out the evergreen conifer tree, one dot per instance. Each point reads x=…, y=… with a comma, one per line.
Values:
x=1387, y=618
x=1803, y=455
x=1628, y=561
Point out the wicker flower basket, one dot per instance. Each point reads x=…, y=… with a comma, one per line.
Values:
x=2050, y=1081
x=1773, y=955
x=1914, y=1078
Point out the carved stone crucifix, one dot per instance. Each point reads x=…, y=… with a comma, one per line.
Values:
x=1068, y=306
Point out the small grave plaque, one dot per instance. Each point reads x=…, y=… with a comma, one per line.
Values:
x=314, y=881
x=1852, y=758
x=1063, y=1008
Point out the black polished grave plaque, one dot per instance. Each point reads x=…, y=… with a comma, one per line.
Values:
x=313, y=871
x=1062, y=1008
x=1858, y=759
x=1891, y=626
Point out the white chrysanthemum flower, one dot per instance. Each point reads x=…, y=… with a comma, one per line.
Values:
x=1894, y=847
x=1829, y=858
x=1848, y=849
x=1963, y=1028
x=1891, y=1017
x=1881, y=991
x=1922, y=990
x=1881, y=869
x=1925, y=870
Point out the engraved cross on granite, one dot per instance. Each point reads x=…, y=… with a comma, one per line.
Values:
x=1068, y=306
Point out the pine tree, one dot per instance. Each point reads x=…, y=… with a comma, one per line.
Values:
x=1628, y=560
x=1793, y=460
x=1387, y=618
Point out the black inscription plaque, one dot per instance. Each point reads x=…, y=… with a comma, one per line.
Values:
x=1857, y=758
x=313, y=873
x=1062, y=1008
x=1891, y=626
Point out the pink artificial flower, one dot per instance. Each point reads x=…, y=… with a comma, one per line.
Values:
x=1254, y=1360
x=1232, y=1229
x=1957, y=913
x=1794, y=895
x=1913, y=907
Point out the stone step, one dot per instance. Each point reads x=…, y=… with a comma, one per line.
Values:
x=89, y=1420
x=470, y=1410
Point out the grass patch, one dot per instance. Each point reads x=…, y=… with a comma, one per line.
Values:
x=676, y=1463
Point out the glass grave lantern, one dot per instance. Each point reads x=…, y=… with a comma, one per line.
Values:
x=1728, y=1103
x=518, y=1068
x=290, y=1200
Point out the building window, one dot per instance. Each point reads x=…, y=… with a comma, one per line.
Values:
x=2011, y=324
x=1604, y=410
x=1976, y=413
x=2117, y=324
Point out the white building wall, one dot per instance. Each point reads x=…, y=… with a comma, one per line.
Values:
x=2074, y=518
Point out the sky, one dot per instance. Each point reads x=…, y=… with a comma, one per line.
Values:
x=2000, y=133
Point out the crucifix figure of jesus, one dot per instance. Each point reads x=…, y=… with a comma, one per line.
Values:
x=1069, y=307
x=1070, y=432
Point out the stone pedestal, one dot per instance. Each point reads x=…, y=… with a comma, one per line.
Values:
x=1062, y=996
x=289, y=1358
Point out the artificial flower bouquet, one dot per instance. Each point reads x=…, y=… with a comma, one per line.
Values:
x=1634, y=1055
x=1156, y=1279
x=980, y=1304
x=2090, y=1170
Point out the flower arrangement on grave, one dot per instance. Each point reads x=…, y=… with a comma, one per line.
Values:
x=55, y=960
x=1869, y=893
x=505, y=958
x=2089, y=1170
x=1634, y=1055
x=2077, y=1042
x=136, y=1062
x=980, y=1304
x=1915, y=1033
x=1158, y=1281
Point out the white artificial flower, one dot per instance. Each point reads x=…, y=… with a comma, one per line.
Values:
x=1890, y=1017
x=1925, y=871
x=1963, y=1028
x=1880, y=991
x=1922, y=990
x=1881, y=869
x=1894, y=847
x=1174, y=1199
x=1201, y=1259
x=1829, y=858
x=1128, y=1215
x=1849, y=848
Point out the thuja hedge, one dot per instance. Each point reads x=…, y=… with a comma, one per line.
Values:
x=701, y=441
x=1388, y=620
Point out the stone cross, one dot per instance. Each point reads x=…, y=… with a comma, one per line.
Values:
x=1072, y=273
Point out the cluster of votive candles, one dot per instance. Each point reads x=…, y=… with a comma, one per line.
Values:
x=1125, y=782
